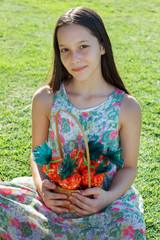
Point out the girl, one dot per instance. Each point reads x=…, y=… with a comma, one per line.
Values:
x=85, y=81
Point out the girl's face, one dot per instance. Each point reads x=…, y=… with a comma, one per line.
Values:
x=80, y=52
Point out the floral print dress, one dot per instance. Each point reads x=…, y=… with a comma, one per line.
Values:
x=22, y=212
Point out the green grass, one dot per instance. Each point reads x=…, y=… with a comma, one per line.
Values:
x=26, y=29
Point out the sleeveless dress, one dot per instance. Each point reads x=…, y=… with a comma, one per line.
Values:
x=22, y=212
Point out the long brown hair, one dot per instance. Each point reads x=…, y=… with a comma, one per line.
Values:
x=91, y=20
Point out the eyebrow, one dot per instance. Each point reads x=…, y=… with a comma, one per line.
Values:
x=61, y=45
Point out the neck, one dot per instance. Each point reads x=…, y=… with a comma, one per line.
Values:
x=87, y=89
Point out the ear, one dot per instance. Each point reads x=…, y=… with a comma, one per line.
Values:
x=102, y=49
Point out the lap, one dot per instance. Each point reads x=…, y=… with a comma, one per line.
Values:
x=22, y=208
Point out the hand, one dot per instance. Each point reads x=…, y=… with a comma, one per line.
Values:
x=52, y=200
x=85, y=206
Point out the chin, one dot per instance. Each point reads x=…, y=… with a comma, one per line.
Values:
x=81, y=78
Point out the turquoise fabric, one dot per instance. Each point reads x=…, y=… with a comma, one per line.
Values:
x=22, y=212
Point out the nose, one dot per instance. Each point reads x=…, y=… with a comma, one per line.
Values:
x=75, y=58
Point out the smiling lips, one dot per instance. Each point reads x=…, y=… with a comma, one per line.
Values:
x=78, y=69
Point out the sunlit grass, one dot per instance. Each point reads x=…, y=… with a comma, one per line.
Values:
x=26, y=29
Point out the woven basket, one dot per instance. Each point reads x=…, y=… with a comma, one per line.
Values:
x=58, y=188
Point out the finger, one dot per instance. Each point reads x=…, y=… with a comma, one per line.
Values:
x=91, y=191
x=59, y=203
x=59, y=210
x=80, y=198
x=79, y=211
x=54, y=196
x=82, y=202
x=54, y=204
x=51, y=185
x=46, y=183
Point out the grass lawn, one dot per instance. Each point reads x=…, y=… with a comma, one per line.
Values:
x=26, y=29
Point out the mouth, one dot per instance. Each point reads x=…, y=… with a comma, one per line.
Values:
x=79, y=69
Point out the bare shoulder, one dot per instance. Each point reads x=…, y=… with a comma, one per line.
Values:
x=130, y=109
x=130, y=103
x=43, y=94
x=43, y=98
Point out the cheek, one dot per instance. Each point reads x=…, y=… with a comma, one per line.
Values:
x=66, y=63
x=64, y=60
x=91, y=55
x=87, y=55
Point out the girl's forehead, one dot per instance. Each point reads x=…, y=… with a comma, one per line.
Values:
x=73, y=26
x=73, y=33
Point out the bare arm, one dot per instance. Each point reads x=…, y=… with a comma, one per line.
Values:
x=41, y=108
x=40, y=126
x=129, y=130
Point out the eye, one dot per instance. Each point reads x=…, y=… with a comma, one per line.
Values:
x=64, y=50
x=84, y=46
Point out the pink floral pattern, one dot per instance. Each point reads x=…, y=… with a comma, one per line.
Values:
x=113, y=134
x=23, y=214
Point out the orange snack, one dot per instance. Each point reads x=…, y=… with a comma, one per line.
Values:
x=96, y=180
x=72, y=182
x=81, y=160
x=53, y=168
